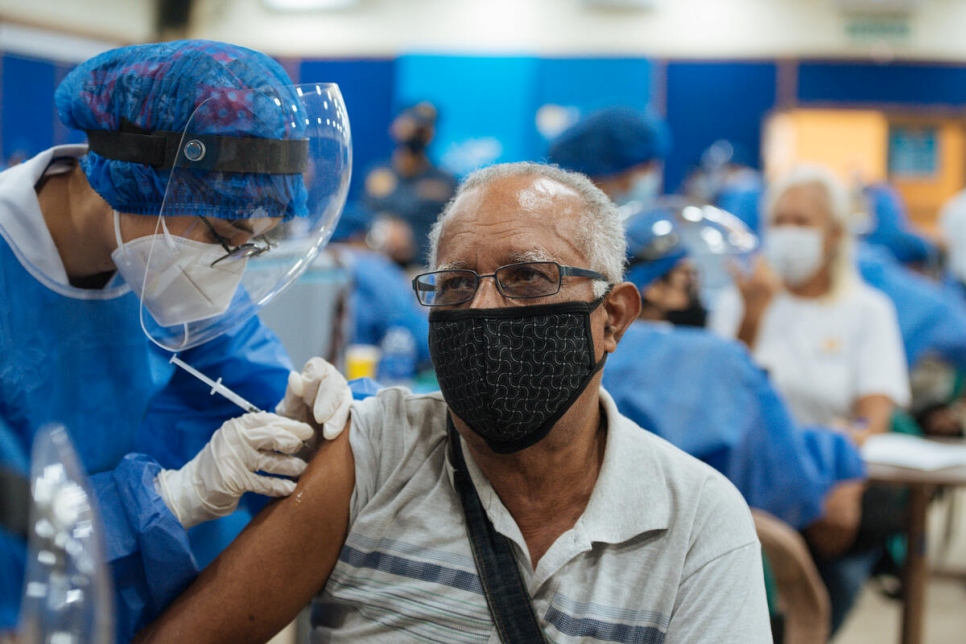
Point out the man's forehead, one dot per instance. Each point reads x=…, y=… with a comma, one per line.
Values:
x=529, y=191
x=526, y=217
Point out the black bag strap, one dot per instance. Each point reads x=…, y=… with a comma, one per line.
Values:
x=506, y=595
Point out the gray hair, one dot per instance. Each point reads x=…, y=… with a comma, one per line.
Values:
x=600, y=233
x=838, y=204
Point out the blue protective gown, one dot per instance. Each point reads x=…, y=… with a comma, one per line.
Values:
x=79, y=357
x=382, y=297
x=932, y=319
x=892, y=230
x=741, y=196
x=705, y=395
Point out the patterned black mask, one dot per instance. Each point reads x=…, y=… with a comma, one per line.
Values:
x=511, y=373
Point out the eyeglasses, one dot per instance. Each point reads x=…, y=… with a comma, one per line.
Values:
x=242, y=251
x=517, y=281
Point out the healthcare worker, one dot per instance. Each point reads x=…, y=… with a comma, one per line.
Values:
x=381, y=302
x=726, y=177
x=889, y=228
x=705, y=394
x=621, y=149
x=408, y=191
x=185, y=215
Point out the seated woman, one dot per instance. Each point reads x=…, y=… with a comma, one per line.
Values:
x=830, y=343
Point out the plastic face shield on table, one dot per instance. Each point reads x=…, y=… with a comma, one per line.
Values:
x=68, y=593
x=674, y=228
x=280, y=198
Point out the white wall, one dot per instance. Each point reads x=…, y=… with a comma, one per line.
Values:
x=674, y=28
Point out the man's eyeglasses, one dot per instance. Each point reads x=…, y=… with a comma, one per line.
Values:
x=517, y=281
x=243, y=251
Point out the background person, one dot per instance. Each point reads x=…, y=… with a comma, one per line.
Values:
x=706, y=395
x=621, y=149
x=831, y=345
x=409, y=191
x=77, y=231
x=590, y=504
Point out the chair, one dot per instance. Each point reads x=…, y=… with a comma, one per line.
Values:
x=802, y=597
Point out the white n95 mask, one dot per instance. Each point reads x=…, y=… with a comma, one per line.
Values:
x=795, y=253
x=182, y=285
x=644, y=189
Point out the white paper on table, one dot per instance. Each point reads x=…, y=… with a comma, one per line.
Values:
x=904, y=450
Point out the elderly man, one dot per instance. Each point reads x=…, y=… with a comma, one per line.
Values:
x=614, y=534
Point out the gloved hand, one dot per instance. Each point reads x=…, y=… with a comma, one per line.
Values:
x=319, y=396
x=210, y=484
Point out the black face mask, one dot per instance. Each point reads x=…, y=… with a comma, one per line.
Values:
x=415, y=145
x=694, y=315
x=511, y=373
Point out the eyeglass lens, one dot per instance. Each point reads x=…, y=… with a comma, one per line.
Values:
x=526, y=280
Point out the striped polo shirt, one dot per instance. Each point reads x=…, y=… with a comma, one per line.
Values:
x=665, y=550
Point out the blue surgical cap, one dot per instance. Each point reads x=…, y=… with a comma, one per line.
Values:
x=654, y=246
x=611, y=141
x=158, y=88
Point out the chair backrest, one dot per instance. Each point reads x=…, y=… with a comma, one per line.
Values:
x=802, y=596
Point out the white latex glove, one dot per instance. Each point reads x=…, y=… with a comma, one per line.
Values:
x=210, y=484
x=319, y=396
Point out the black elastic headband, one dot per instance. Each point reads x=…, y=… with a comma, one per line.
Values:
x=211, y=153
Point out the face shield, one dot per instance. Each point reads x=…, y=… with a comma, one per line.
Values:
x=674, y=229
x=68, y=594
x=242, y=217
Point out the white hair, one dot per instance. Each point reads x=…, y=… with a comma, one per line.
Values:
x=600, y=233
x=838, y=204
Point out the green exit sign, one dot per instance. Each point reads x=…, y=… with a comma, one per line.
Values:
x=878, y=29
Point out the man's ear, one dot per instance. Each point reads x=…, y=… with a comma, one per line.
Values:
x=622, y=306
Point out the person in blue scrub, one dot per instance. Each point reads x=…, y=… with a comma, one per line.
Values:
x=890, y=229
x=932, y=321
x=621, y=149
x=381, y=297
x=409, y=189
x=726, y=177
x=705, y=394
x=93, y=268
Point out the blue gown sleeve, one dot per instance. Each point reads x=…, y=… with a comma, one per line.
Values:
x=932, y=320
x=146, y=547
x=12, y=546
x=152, y=556
x=706, y=396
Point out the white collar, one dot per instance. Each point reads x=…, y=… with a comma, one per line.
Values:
x=22, y=223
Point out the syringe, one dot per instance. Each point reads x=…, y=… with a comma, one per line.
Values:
x=216, y=386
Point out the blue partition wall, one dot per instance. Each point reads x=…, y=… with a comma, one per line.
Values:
x=28, y=112
x=489, y=105
x=485, y=105
x=707, y=101
x=367, y=87
x=506, y=108
x=905, y=84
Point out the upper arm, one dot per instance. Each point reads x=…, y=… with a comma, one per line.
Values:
x=272, y=570
x=723, y=601
x=721, y=595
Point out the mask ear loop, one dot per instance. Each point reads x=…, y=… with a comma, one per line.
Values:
x=117, y=229
x=168, y=237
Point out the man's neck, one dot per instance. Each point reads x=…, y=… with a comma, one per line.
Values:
x=546, y=487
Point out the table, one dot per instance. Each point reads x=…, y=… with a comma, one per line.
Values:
x=921, y=485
